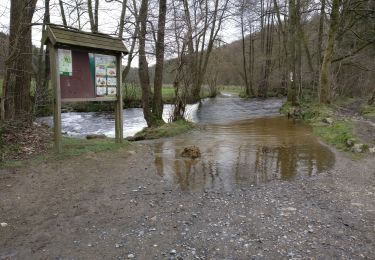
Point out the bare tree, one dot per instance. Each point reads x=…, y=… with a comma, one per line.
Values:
x=144, y=78
x=325, y=81
x=202, y=28
x=41, y=68
x=133, y=31
x=246, y=77
x=292, y=24
x=18, y=64
x=157, y=108
x=93, y=15
x=62, y=12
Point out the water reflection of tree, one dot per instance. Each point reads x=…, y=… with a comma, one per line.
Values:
x=280, y=156
x=159, y=162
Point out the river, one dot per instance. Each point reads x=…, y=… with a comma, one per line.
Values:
x=242, y=142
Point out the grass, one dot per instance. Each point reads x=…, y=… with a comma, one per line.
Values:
x=134, y=92
x=240, y=90
x=335, y=134
x=233, y=89
x=165, y=130
x=368, y=111
x=71, y=147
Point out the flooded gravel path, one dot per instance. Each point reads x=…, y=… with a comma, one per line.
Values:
x=117, y=205
x=242, y=143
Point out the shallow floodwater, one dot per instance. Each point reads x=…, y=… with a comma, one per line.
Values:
x=242, y=142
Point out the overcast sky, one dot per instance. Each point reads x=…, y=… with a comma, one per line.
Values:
x=109, y=14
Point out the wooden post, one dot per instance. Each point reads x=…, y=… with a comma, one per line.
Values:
x=118, y=107
x=55, y=81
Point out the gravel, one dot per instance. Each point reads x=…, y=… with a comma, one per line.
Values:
x=84, y=207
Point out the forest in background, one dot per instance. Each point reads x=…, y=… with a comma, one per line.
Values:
x=315, y=50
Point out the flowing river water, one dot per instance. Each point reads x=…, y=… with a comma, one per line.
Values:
x=242, y=142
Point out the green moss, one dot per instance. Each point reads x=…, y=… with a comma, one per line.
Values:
x=165, y=130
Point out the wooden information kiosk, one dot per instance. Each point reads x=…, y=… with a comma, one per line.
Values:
x=84, y=67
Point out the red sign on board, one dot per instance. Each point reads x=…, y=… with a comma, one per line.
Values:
x=86, y=75
x=80, y=84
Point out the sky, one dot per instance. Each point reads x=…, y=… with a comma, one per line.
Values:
x=109, y=14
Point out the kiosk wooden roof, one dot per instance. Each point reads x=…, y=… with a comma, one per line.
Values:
x=61, y=37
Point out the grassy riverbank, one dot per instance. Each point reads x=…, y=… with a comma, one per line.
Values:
x=72, y=147
x=164, y=130
x=33, y=145
x=333, y=123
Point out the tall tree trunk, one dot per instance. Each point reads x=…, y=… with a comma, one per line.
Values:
x=62, y=12
x=122, y=19
x=144, y=78
x=320, y=37
x=372, y=99
x=268, y=50
x=157, y=109
x=96, y=16
x=41, y=98
x=319, y=57
x=17, y=79
x=252, y=61
x=262, y=48
x=292, y=87
x=244, y=63
x=325, y=78
x=284, y=78
x=93, y=14
x=299, y=40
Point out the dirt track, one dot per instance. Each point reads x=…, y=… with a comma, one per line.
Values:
x=114, y=206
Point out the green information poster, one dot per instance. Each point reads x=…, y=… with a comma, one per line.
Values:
x=65, y=62
x=105, y=75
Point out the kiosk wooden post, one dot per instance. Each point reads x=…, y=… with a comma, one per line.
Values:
x=119, y=135
x=80, y=82
x=55, y=81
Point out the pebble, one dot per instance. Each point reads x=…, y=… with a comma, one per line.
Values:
x=131, y=256
x=289, y=209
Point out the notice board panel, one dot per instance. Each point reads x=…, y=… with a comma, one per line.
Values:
x=81, y=82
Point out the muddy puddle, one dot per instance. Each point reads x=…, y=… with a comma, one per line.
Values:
x=242, y=144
